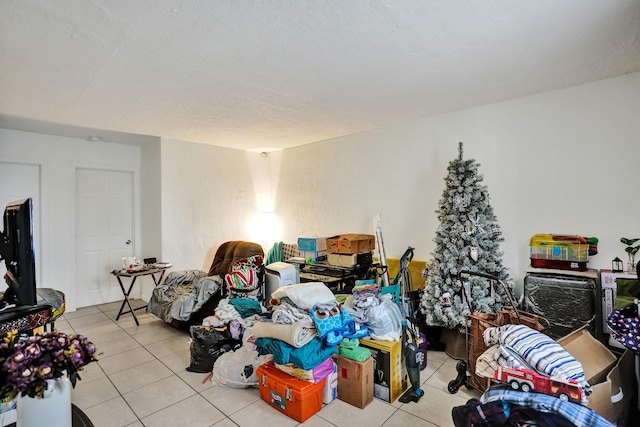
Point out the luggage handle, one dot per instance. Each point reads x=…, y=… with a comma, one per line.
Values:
x=492, y=279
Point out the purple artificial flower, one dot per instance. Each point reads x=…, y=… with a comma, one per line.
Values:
x=26, y=364
x=23, y=377
x=90, y=348
x=17, y=358
x=46, y=370
x=58, y=355
x=77, y=357
x=33, y=351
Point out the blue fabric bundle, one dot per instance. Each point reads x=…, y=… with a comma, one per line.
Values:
x=307, y=357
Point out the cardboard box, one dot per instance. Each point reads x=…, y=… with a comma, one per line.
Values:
x=313, y=244
x=293, y=397
x=390, y=375
x=350, y=243
x=350, y=260
x=355, y=381
x=612, y=380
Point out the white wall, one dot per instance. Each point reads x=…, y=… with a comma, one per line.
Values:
x=208, y=197
x=561, y=162
x=58, y=158
x=151, y=227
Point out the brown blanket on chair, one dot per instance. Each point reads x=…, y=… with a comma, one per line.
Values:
x=229, y=252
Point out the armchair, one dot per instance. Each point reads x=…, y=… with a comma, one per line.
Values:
x=186, y=297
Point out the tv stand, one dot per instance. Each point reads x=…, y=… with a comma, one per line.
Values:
x=50, y=306
x=25, y=318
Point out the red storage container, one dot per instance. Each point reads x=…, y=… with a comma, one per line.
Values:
x=293, y=397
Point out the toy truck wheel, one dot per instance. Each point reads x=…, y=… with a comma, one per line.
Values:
x=515, y=385
x=525, y=387
x=564, y=396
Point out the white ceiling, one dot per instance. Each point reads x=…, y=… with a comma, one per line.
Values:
x=270, y=74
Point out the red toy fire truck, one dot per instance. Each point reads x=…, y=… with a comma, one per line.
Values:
x=527, y=380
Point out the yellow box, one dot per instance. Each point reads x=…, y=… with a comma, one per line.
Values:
x=415, y=271
x=390, y=379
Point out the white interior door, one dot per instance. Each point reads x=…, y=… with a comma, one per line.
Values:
x=21, y=181
x=104, y=233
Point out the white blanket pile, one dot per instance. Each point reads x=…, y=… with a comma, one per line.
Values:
x=296, y=334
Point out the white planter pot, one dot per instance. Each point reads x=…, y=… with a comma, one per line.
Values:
x=53, y=410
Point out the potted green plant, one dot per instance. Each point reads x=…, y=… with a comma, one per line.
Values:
x=632, y=249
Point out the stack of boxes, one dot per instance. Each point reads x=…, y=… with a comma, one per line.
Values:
x=348, y=250
x=313, y=249
x=344, y=250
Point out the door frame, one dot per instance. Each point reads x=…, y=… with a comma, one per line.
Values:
x=137, y=219
x=39, y=214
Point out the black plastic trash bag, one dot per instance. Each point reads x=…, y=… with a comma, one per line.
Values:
x=207, y=344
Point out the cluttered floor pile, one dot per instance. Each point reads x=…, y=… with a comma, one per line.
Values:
x=304, y=327
x=535, y=381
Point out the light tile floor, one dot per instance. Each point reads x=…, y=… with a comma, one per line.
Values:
x=141, y=380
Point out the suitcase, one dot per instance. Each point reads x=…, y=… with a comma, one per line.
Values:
x=293, y=397
x=568, y=302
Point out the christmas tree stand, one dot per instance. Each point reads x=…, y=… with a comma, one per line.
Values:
x=455, y=343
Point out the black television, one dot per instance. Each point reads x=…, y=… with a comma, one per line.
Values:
x=16, y=249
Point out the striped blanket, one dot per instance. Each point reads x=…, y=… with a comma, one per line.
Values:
x=539, y=351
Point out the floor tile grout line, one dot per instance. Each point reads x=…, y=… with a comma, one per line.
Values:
x=196, y=392
x=130, y=330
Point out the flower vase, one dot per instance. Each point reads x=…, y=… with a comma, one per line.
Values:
x=53, y=410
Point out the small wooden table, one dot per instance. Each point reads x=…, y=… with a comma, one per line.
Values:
x=156, y=274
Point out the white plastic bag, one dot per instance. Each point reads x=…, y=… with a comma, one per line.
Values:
x=237, y=369
x=385, y=320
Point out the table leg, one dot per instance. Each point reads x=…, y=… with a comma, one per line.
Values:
x=126, y=300
x=159, y=279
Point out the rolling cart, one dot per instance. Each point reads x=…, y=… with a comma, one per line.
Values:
x=477, y=323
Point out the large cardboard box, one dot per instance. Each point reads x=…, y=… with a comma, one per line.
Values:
x=612, y=380
x=293, y=397
x=355, y=381
x=350, y=260
x=350, y=243
x=390, y=374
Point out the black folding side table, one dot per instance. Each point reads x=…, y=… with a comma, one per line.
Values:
x=156, y=274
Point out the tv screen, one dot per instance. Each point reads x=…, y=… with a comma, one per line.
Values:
x=16, y=249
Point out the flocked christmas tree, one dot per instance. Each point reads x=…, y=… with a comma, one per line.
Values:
x=467, y=239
